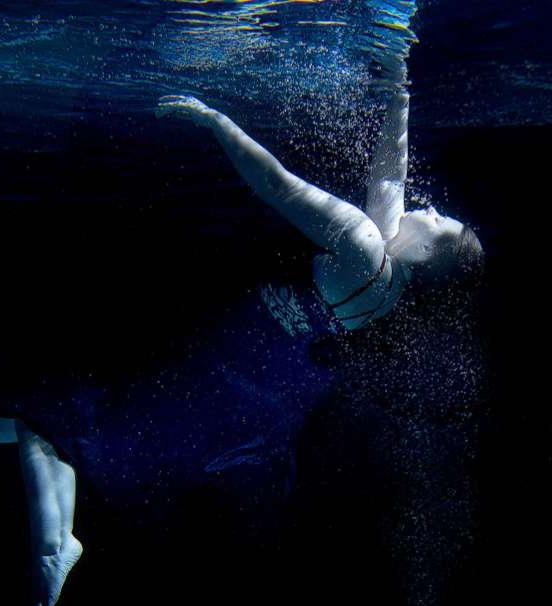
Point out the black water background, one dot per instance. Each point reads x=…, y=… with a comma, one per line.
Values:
x=498, y=172
x=496, y=177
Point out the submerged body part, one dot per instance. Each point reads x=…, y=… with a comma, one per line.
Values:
x=370, y=254
x=51, y=488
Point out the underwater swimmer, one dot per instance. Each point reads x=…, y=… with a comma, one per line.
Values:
x=370, y=255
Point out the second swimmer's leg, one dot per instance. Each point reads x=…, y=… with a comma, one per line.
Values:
x=51, y=488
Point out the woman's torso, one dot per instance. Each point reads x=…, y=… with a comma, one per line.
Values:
x=356, y=300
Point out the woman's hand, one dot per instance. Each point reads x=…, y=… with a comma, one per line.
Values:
x=185, y=107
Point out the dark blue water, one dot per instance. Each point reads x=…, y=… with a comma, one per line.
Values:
x=133, y=260
x=481, y=61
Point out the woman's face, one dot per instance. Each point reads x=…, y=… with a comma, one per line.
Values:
x=422, y=232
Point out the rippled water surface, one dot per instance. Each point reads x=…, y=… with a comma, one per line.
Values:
x=476, y=62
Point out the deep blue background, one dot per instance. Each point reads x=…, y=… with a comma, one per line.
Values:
x=95, y=198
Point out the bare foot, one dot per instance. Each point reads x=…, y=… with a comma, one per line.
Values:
x=185, y=106
x=52, y=570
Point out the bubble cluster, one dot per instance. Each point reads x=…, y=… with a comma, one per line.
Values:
x=422, y=370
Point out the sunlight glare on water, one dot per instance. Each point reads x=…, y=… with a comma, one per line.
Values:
x=262, y=59
x=151, y=47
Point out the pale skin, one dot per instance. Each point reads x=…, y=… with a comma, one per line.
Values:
x=355, y=241
x=51, y=489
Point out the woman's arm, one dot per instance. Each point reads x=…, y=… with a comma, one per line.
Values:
x=385, y=199
x=329, y=222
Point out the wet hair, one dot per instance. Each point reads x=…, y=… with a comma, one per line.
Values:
x=469, y=253
x=451, y=289
x=459, y=259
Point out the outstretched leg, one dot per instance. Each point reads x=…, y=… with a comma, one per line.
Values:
x=50, y=486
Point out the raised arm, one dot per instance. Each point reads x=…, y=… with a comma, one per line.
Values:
x=385, y=199
x=329, y=222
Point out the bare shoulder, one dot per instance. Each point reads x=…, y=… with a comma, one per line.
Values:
x=364, y=245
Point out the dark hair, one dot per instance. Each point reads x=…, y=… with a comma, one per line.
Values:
x=469, y=254
x=454, y=290
x=433, y=339
x=459, y=259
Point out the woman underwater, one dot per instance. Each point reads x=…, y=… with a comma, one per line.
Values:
x=370, y=257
